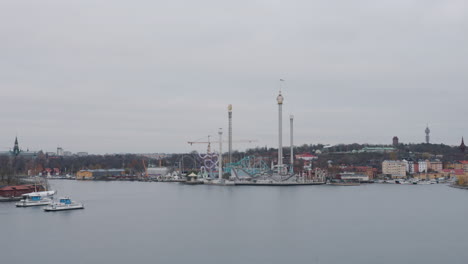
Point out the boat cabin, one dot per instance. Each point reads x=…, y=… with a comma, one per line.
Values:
x=35, y=198
x=65, y=200
x=32, y=197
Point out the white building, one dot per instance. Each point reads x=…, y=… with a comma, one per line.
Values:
x=423, y=166
x=409, y=166
x=157, y=171
x=351, y=176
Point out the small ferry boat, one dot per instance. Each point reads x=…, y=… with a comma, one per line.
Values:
x=222, y=182
x=63, y=204
x=36, y=199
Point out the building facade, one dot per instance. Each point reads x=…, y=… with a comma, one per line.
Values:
x=436, y=165
x=394, y=168
x=97, y=174
x=59, y=151
x=423, y=165
x=464, y=165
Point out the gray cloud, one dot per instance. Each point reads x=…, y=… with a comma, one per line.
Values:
x=146, y=76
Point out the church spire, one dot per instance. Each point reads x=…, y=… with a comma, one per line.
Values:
x=462, y=146
x=16, y=149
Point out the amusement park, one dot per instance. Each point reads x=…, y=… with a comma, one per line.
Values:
x=249, y=170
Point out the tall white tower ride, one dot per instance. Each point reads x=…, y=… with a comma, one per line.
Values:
x=230, y=132
x=220, y=157
x=280, y=100
x=291, y=118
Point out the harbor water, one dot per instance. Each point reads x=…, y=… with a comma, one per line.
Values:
x=135, y=222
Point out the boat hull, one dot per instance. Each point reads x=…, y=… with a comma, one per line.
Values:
x=63, y=208
x=31, y=204
x=192, y=182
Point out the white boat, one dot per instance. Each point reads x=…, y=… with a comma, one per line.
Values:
x=221, y=182
x=42, y=194
x=63, y=204
x=400, y=181
x=36, y=199
x=423, y=182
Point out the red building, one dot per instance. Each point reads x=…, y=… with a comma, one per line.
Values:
x=18, y=190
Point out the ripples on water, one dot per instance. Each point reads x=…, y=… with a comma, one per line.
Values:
x=132, y=222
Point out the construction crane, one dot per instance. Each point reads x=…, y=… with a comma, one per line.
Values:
x=201, y=142
x=224, y=141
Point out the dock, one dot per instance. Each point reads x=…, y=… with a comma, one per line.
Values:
x=277, y=183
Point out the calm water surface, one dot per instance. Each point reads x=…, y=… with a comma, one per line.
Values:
x=132, y=222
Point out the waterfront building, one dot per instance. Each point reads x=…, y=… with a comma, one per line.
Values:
x=394, y=168
x=406, y=165
x=429, y=176
x=18, y=190
x=96, y=174
x=351, y=176
x=465, y=165
x=369, y=171
x=84, y=175
x=365, y=170
x=411, y=166
x=453, y=165
x=436, y=165
x=450, y=173
x=157, y=171
x=423, y=165
x=415, y=167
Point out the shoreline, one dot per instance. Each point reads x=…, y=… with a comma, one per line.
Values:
x=458, y=186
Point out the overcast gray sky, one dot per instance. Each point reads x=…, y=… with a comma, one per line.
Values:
x=146, y=76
